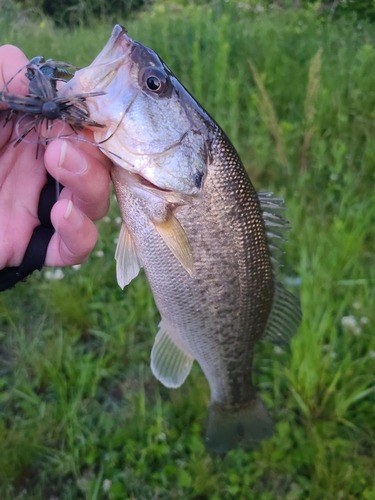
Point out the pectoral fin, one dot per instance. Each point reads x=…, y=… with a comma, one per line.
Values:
x=170, y=363
x=175, y=237
x=127, y=261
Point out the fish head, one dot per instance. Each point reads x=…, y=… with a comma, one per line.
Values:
x=154, y=127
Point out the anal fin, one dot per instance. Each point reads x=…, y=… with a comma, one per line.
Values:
x=127, y=261
x=169, y=362
x=285, y=317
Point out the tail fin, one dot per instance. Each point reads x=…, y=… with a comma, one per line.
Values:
x=231, y=426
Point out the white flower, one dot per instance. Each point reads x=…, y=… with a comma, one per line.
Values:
x=107, y=483
x=258, y=8
x=76, y=267
x=56, y=274
x=348, y=322
x=364, y=320
x=277, y=349
x=99, y=253
x=372, y=354
x=357, y=305
x=118, y=220
x=242, y=5
x=106, y=219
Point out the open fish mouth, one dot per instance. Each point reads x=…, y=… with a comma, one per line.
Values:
x=104, y=67
x=113, y=55
x=119, y=42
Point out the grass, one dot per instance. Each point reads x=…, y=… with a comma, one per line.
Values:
x=81, y=416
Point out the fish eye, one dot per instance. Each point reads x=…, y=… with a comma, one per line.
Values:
x=156, y=81
x=153, y=83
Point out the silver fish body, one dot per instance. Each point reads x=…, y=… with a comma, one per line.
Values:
x=193, y=220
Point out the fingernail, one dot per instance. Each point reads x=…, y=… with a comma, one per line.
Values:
x=74, y=161
x=62, y=154
x=73, y=215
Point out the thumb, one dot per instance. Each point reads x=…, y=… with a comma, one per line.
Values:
x=12, y=77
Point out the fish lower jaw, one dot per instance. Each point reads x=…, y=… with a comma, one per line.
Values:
x=148, y=184
x=147, y=188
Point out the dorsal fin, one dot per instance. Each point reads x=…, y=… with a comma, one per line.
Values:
x=285, y=317
x=276, y=226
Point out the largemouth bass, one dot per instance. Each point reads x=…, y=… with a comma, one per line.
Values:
x=193, y=220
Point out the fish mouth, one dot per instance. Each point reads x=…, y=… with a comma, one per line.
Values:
x=116, y=49
x=101, y=72
x=113, y=55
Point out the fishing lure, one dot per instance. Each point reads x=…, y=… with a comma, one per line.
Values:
x=42, y=106
x=42, y=103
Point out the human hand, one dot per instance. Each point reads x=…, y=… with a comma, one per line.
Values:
x=79, y=166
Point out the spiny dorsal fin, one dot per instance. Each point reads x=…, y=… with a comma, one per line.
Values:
x=169, y=362
x=175, y=237
x=285, y=317
x=127, y=261
x=276, y=225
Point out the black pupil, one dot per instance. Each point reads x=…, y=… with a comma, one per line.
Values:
x=153, y=83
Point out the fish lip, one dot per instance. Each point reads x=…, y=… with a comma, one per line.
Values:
x=118, y=41
x=113, y=55
x=101, y=72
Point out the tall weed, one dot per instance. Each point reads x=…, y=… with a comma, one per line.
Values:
x=312, y=92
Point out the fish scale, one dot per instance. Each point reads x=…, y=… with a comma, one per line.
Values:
x=219, y=311
x=193, y=220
